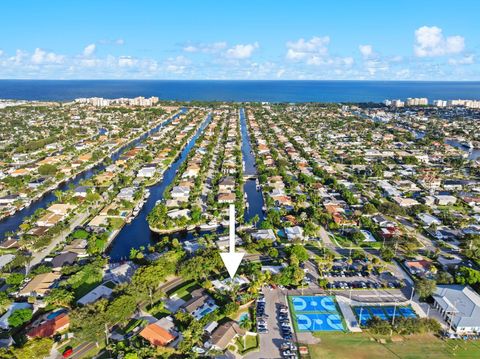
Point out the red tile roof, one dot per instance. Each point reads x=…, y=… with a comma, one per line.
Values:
x=156, y=335
x=50, y=327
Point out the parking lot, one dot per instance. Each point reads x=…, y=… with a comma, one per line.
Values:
x=358, y=275
x=274, y=327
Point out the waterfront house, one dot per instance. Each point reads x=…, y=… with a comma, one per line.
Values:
x=147, y=172
x=226, y=198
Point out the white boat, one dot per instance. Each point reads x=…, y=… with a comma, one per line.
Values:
x=209, y=226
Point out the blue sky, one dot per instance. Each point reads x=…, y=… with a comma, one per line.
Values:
x=247, y=39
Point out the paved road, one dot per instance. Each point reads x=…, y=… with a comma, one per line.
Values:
x=80, y=350
x=37, y=257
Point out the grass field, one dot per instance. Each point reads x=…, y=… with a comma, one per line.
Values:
x=183, y=291
x=360, y=346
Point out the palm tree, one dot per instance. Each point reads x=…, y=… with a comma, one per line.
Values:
x=245, y=322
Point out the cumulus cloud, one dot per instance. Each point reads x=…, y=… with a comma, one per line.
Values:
x=430, y=41
x=310, y=50
x=465, y=60
x=206, y=48
x=176, y=65
x=241, y=51
x=126, y=61
x=89, y=50
x=40, y=57
x=366, y=50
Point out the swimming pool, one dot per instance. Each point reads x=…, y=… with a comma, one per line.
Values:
x=55, y=314
x=244, y=316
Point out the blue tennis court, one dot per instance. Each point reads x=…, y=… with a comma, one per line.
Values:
x=363, y=315
x=315, y=322
x=408, y=312
x=378, y=312
x=316, y=313
x=314, y=304
x=382, y=312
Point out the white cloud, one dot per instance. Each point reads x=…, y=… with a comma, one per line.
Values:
x=89, y=50
x=310, y=50
x=366, y=50
x=348, y=61
x=206, y=48
x=430, y=41
x=43, y=57
x=241, y=51
x=1, y=52
x=176, y=65
x=466, y=60
x=126, y=61
x=119, y=42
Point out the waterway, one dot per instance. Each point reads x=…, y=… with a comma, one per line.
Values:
x=473, y=154
x=11, y=223
x=137, y=233
x=253, y=192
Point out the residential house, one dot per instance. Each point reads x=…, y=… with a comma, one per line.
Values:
x=12, y=308
x=294, y=233
x=161, y=333
x=49, y=327
x=224, y=335
x=65, y=258
x=39, y=285
x=95, y=294
x=200, y=304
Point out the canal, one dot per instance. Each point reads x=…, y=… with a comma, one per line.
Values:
x=250, y=188
x=137, y=233
x=473, y=154
x=11, y=223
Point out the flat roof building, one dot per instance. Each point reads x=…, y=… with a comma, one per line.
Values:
x=459, y=306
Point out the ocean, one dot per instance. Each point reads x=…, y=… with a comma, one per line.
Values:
x=241, y=91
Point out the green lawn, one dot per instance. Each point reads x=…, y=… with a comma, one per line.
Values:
x=247, y=343
x=184, y=290
x=365, y=346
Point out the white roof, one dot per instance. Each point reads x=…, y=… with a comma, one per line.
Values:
x=5, y=259
x=99, y=292
x=463, y=301
x=13, y=307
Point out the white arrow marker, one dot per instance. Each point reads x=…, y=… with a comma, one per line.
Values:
x=232, y=259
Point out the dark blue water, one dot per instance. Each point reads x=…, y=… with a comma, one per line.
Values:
x=137, y=233
x=254, y=195
x=273, y=91
x=11, y=223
